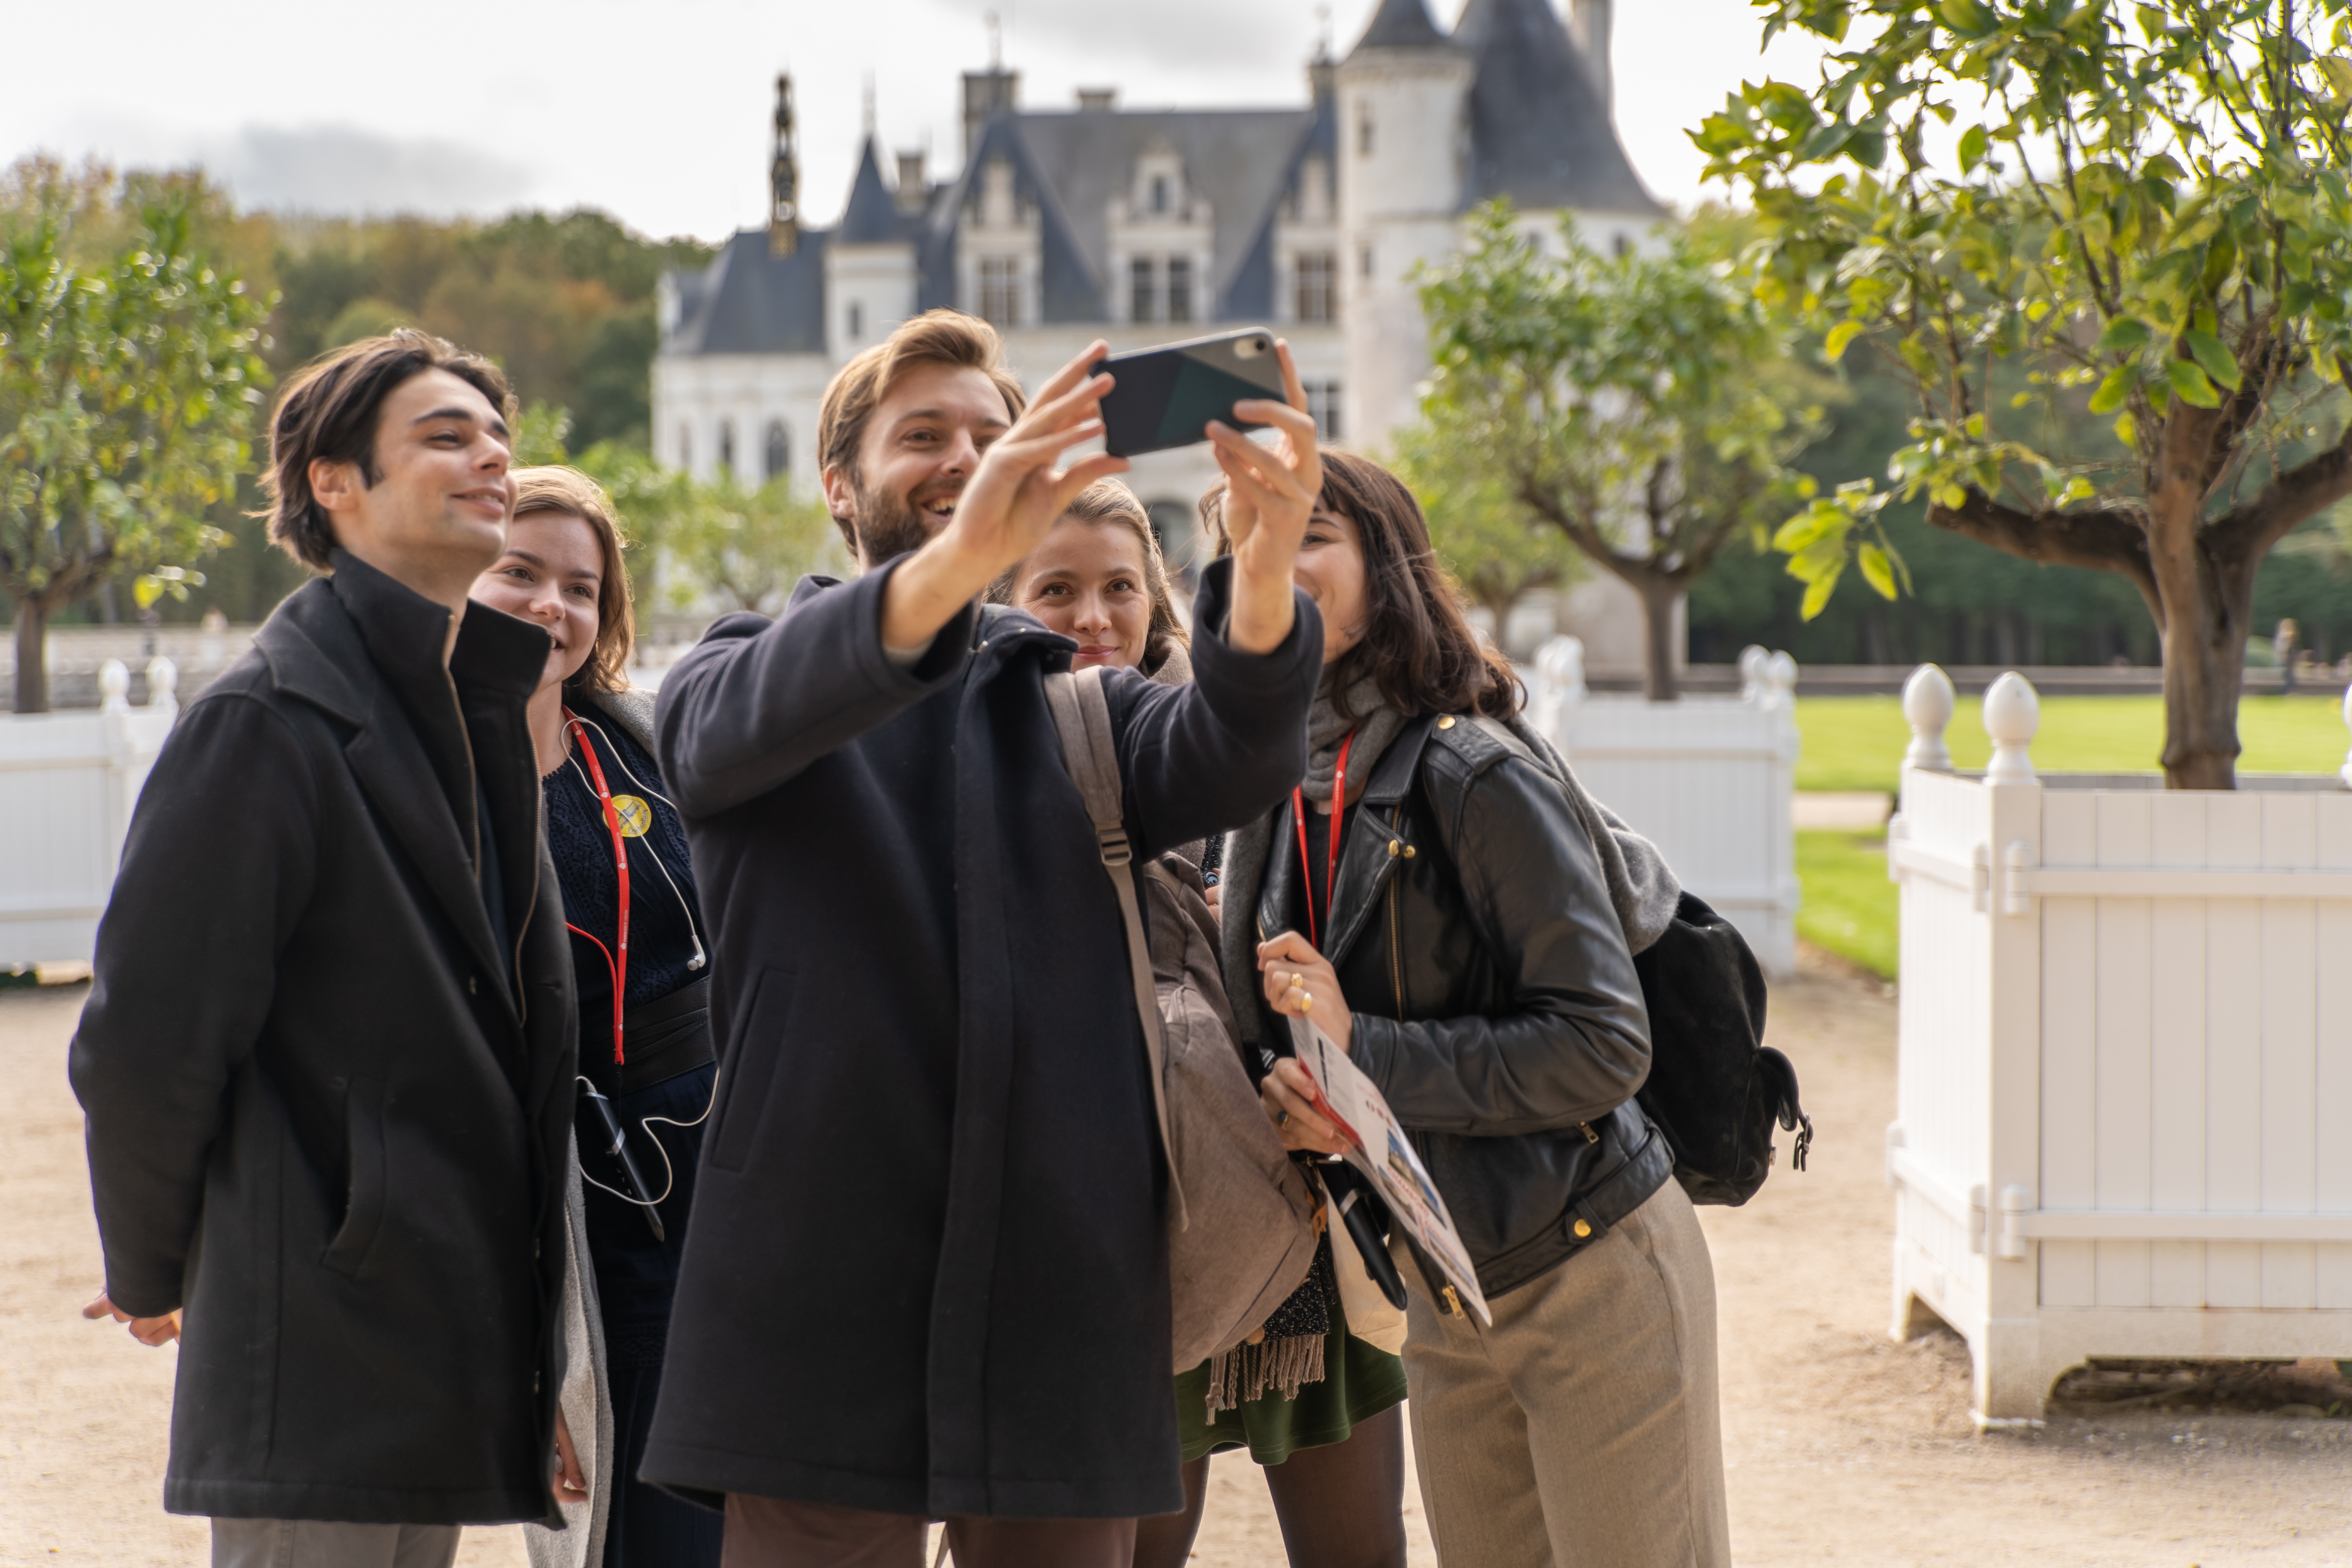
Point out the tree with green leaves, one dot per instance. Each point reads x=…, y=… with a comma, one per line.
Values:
x=750, y=546
x=2036, y=208
x=1637, y=404
x=1485, y=537
x=129, y=392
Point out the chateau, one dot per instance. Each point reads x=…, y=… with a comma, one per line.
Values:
x=1143, y=226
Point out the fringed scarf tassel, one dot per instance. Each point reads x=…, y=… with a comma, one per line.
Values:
x=1285, y=1363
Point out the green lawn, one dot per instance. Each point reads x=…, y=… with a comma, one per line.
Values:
x=1849, y=904
x=1857, y=742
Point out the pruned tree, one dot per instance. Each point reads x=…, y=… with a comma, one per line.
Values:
x=2031, y=207
x=1637, y=404
x=129, y=390
x=1495, y=548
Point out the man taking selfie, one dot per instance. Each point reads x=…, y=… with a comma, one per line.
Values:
x=328, y=1056
x=928, y=1277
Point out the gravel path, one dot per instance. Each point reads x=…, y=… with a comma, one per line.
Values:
x=1843, y=1446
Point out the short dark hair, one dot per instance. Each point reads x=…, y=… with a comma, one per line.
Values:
x=329, y=412
x=1418, y=646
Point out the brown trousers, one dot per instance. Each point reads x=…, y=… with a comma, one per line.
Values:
x=1582, y=1429
x=767, y=1532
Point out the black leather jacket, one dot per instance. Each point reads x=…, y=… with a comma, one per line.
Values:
x=1496, y=1003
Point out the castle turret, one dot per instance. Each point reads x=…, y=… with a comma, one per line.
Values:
x=869, y=267
x=1403, y=154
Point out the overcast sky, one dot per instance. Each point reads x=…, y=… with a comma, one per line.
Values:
x=659, y=114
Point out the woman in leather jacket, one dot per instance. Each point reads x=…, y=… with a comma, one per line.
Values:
x=1431, y=900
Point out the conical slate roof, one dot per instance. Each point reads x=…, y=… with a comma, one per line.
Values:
x=1539, y=133
x=872, y=218
x=1401, y=24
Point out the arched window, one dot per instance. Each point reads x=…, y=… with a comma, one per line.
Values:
x=686, y=446
x=780, y=450
x=726, y=446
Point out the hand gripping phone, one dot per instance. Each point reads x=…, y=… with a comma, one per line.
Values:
x=1166, y=396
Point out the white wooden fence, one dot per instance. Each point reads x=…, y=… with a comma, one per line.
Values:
x=1708, y=779
x=67, y=783
x=2123, y=1120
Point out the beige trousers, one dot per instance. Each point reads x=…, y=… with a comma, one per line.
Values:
x=1580, y=1430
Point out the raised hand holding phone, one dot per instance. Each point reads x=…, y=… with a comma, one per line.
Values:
x=1270, y=492
x=1013, y=498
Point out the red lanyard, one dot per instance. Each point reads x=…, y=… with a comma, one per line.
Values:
x=618, y=964
x=1331, y=866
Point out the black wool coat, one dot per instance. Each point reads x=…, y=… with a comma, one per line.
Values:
x=328, y=1114
x=927, y=1272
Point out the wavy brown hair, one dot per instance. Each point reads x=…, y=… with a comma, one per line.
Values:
x=568, y=492
x=1107, y=500
x=1417, y=647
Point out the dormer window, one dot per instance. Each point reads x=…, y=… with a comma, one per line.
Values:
x=999, y=290
x=1158, y=192
x=1179, y=288
x=1364, y=134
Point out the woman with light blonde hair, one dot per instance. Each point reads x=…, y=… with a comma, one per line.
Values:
x=646, y=1064
x=1296, y=1396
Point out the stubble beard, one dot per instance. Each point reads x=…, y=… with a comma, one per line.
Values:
x=889, y=526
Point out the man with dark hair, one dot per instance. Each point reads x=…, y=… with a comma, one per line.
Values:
x=929, y=1276
x=328, y=1058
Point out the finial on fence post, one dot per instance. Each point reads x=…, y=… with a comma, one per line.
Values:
x=2012, y=717
x=1780, y=679
x=1560, y=664
x=1751, y=672
x=113, y=687
x=1928, y=704
x=162, y=686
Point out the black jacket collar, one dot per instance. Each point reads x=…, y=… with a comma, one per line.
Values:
x=367, y=648
x=1367, y=859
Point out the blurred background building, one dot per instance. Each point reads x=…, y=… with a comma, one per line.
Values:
x=1145, y=225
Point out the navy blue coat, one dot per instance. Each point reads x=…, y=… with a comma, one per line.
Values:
x=927, y=1270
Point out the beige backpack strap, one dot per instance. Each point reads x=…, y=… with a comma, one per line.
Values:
x=1082, y=715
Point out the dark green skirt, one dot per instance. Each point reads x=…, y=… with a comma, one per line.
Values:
x=1359, y=1380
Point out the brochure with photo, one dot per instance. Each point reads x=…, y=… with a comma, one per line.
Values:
x=1379, y=1147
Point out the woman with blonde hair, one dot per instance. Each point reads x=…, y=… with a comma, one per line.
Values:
x=646, y=1064
x=1313, y=1404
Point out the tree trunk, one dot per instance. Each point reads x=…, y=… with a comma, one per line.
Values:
x=2204, y=641
x=32, y=663
x=2208, y=603
x=1658, y=598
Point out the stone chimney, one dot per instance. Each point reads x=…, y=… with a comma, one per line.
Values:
x=1097, y=99
x=1588, y=23
x=783, y=178
x=913, y=194
x=986, y=95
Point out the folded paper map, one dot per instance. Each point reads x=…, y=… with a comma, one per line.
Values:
x=1378, y=1147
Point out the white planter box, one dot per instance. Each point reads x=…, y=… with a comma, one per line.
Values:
x=1706, y=779
x=67, y=783
x=2126, y=1060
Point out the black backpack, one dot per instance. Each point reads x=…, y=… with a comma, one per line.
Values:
x=1714, y=1088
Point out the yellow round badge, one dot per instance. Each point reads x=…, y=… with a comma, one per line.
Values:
x=634, y=814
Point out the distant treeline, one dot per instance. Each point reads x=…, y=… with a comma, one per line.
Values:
x=564, y=301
